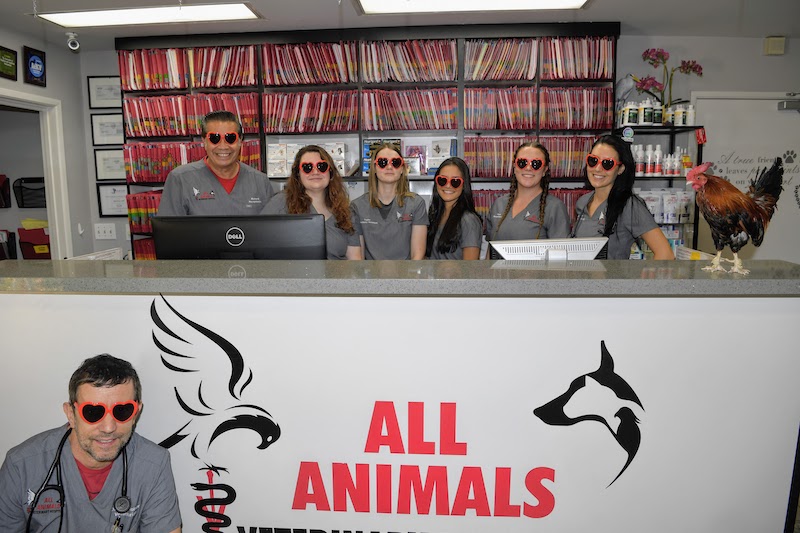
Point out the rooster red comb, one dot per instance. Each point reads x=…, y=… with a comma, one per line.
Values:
x=696, y=171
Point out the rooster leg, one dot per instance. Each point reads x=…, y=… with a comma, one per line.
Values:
x=737, y=266
x=715, y=266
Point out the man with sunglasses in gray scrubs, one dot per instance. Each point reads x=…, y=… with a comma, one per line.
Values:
x=219, y=184
x=94, y=473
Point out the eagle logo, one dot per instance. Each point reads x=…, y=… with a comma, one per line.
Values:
x=213, y=398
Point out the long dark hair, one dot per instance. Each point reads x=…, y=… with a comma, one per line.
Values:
x=622, y=189
x=545, y=183
x=448, y=240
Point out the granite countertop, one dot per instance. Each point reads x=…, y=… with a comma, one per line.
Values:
x=399, y=278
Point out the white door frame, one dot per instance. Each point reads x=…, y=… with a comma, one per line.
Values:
x=54, y=163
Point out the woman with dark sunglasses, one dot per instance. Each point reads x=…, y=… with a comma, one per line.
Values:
x=455, y=228
x=315, y=186
x=391, y=220
x=528, y=211
x=613, y=210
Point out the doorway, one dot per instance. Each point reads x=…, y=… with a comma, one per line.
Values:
x=53, y=164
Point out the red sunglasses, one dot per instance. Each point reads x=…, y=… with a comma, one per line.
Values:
x=606, y=162
x=455, y=183
x=92, y=412
x=215, y=137
x=382, y=162
x=307, y=168
x=535, y=164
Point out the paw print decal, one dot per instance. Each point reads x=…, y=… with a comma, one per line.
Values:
x=790, y=156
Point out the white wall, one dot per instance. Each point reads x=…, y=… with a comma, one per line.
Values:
x=729, y=64
x=64, y=84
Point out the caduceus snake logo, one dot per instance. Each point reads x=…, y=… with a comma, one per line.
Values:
x=213, y=379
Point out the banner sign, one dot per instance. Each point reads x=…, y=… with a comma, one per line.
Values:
x=439, y=415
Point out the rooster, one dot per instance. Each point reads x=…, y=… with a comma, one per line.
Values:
x=735, y=216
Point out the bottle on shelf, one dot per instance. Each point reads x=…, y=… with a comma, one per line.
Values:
x=658, y=161
x=638, y=154
x=690, y=115
x=649, y=162
x=669, y=115
x=658, y=113
x=680, y=115
x=630, y=114
x=645, y=113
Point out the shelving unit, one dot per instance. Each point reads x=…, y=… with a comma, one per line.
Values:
x=417, y=62
x=672, y=133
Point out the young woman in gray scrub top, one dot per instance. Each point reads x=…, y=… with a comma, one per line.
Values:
x=612, y=209
x=455, y=228
x=315, y=186
x=528, y=211
x=391, y=220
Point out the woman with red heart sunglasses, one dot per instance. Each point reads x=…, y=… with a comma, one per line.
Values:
x=613, y=210
x=528, y=211
x=391, y=220
x=315, y=186
x=455, y=228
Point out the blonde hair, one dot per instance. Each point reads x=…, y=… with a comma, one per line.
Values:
x=401, y=190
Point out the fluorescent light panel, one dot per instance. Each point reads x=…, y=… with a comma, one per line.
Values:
x=376, y=7
x=151, y=15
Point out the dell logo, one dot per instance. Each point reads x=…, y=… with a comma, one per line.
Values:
x=234, y=236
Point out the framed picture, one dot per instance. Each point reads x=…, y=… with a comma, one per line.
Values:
x=107, y=129
x=8, y=64
x=111, y=199
x=109, y=164
x=104, y=92
x=35, y=66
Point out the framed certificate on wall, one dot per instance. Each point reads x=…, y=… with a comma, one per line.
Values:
x=107, y=129
x=109, y=164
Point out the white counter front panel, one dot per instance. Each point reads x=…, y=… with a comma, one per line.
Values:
x=417, y=414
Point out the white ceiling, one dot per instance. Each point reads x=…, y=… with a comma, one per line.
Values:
x=732, y=18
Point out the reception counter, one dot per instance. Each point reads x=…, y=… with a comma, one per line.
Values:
x=400, y=278
x=435, y=396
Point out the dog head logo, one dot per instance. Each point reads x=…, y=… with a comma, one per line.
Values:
x=600, y=396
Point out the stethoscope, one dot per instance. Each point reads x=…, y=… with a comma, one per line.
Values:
x=121, y=505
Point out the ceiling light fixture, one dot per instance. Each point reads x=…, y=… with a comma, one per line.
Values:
x=382, y=7
x=151, y=15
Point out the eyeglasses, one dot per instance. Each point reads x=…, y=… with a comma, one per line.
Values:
x=307, y=168
x=455, y=183
x=536, y=164
x=382, y=162
x=215, y=137
x=607, y=162
x=92, y=412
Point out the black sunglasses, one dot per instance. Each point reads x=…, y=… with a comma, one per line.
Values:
x=607, y=162
x=307, y=168
x=454, y=182
x=382, y=162
x=536, y=164
x=215, y=137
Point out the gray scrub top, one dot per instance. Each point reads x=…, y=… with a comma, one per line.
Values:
x=634, y=221
x=526, y=224
x=336, y=239
x=388, y=238
x=193, y=189
x=470, y=229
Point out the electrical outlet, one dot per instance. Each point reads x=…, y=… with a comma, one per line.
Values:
x=105, y=232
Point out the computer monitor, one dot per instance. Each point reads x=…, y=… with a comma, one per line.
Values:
x=552, y=249
x=240, y=237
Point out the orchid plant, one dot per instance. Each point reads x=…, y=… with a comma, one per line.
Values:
x=662, y=91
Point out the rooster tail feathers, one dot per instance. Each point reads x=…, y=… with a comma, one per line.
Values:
x=766, y=188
